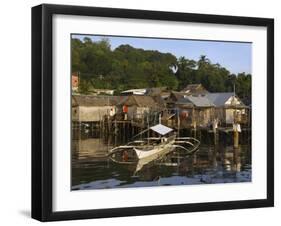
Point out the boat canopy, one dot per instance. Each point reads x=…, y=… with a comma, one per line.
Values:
x=161, y=129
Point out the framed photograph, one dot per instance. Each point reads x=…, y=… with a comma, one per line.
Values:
x=146, y=112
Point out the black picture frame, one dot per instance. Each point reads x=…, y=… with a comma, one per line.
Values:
x=42, y=111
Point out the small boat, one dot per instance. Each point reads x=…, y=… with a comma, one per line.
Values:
x=146, y=150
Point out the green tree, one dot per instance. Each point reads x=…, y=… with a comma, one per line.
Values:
x=127, y=67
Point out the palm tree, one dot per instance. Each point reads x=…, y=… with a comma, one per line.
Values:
x=203, y=61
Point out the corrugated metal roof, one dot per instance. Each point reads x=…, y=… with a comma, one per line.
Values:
x=219, y=99
x=135, y=91
x=207, y=100
x=161, y=129
x=200, y=101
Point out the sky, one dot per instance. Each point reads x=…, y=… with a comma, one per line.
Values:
x=234, y=56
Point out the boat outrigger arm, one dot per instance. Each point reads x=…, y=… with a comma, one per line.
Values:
x=152, y=148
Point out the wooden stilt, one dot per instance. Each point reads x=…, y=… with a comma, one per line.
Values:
x=236, y=135
x=236, y=138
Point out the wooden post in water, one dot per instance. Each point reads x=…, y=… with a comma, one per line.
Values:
x=115, y=132
x=108, y=125
x=147, y=129
x=194, y=122
x=108, y=134
x=133, y=129
x=236, y=139
x=235, y=135
x=194, y=129
x=178, y=122
x=124, y=132
x=101, y=132
x=215, y=137
x=215, y=125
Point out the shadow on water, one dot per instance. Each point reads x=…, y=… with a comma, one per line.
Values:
x=92, y=169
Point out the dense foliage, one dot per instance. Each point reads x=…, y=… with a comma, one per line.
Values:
x=127, y=67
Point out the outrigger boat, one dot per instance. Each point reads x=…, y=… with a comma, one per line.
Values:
x=143, y=151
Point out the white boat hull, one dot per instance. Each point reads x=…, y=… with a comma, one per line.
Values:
x=158, y=150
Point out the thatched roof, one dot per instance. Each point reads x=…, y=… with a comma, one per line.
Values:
x=88, y=100
x=159, y=100
x=140, y=101
x=194, y=89
x=175, y=96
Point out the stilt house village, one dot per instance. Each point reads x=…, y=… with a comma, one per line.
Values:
x=193, y=108
x=145, y=115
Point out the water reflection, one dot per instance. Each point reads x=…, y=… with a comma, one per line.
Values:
x=91, y=169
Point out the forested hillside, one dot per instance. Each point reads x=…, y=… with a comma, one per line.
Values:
x=127, y=67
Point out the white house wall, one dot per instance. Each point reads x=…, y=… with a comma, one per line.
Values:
x=233, y=101
x=229, y=116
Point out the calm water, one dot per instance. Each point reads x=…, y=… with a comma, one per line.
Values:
x=209, y=165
